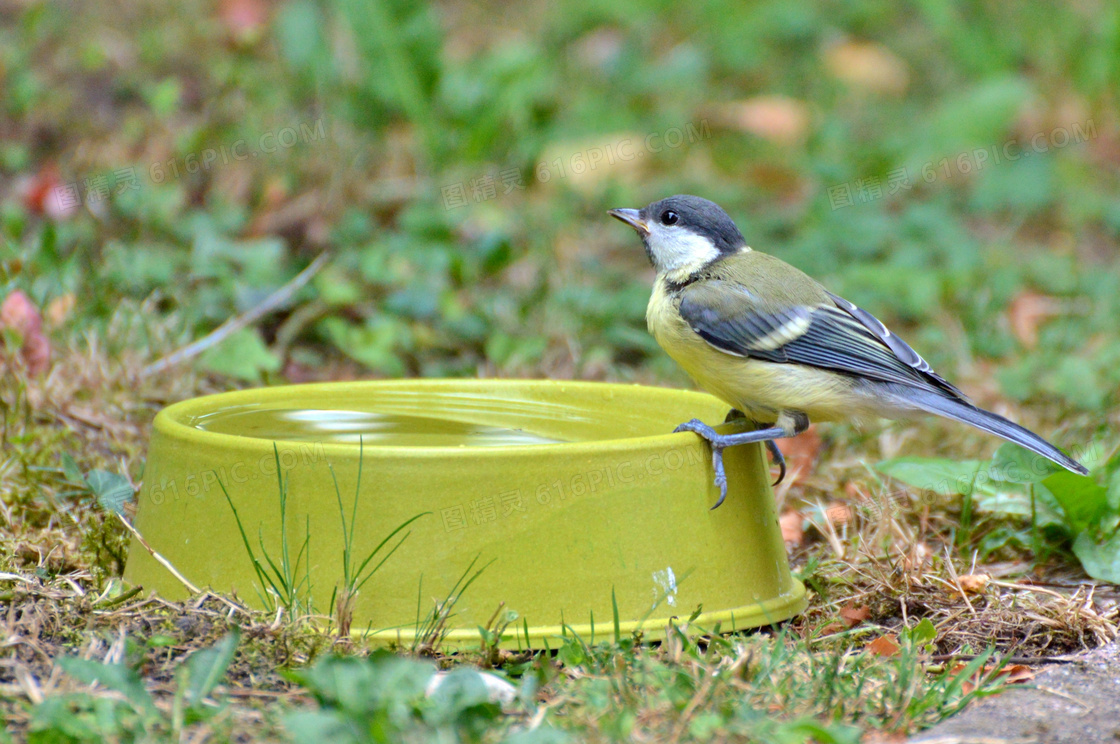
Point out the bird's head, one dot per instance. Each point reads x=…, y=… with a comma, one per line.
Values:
x=683, y=233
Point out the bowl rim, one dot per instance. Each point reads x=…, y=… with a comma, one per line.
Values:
x=169, y=421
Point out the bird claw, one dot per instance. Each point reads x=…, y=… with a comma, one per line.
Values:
x=721, y=475
x=717, y=442
x=698, y=427
x=779, y=459
x=712, y=437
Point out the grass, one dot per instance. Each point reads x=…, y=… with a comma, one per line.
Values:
x=1001, y=273
x=279, y=583
x=817, y=678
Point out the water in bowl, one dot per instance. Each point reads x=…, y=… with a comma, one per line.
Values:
x=370, y=427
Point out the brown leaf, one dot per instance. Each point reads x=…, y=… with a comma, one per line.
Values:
x=801, y=453
x=45, y=194
x=916, y=557
x=782, y=120
x=791, y=522
x=1027, y=312
x=18, y=314
x=244, y=19
x=884, y=737
x=838, y=512
x=973, y=583
x=59, y=309
x=1013, y=674
x=886, y=645
x=1017, y=674
x=585, y=165
x=853, y=615
x=866, y=65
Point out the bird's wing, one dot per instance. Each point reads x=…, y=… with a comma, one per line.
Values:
x=834, y=334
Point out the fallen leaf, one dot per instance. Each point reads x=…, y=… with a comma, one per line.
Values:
x=838, y=513
x=1013, y=674
x=1027, y=312
x=59, y=309
x=585, y=165
x=791, y=522
x=1017, y=674
x=19, y=315
x=244, y=19
x=866, y=65
x=853, y=615
x=886, y=645
x=801, y=453
x=782, y=120
x=884, y=737
x=45, y=194
x=916, y=557
x=973, y=583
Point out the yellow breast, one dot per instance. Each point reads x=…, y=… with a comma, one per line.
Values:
x=758, y=388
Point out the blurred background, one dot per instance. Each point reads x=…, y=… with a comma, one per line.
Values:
x=953, y=169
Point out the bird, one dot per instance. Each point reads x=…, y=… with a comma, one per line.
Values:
x=778, y=347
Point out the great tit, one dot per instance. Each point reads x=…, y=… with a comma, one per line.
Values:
x=776, y=345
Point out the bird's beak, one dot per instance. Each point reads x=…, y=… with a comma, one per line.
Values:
x=631, y=217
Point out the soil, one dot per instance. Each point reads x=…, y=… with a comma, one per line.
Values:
x=1078, y=703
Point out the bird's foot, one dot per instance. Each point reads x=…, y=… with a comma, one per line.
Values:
x=736, y=415
x=719, y=442
x=714, y=440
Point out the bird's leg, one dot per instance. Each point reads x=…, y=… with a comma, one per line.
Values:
x=779, y=459
x=789, y=424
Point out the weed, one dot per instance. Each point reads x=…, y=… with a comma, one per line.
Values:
x=354, y=577
x=279, y=583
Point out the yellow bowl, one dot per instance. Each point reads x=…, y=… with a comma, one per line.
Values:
x=573, y=498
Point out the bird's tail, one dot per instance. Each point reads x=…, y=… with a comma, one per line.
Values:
x=994, y=424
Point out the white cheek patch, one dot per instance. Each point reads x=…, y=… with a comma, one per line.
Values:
x=676, y=250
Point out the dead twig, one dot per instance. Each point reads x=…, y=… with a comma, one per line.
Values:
x=233, y=325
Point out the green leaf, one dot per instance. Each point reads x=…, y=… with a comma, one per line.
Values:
x=1101, y=560
x=300, y=35
x=113, y=491
x=374, y=344
x=1083, y=501
x=977, y=116
x=117, y=677
x=940, y=475
x=1014, y=464
x=992, y=492
x=320, y=726
x=163, y=97
x=384, y=682
x=71, y=470
x=923, y=633
x=1112, y=468
x=207, y=667
x=1014, y=499
x=243, y=355
x=539, y=735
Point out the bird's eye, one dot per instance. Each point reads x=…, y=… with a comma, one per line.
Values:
x=669, y=217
